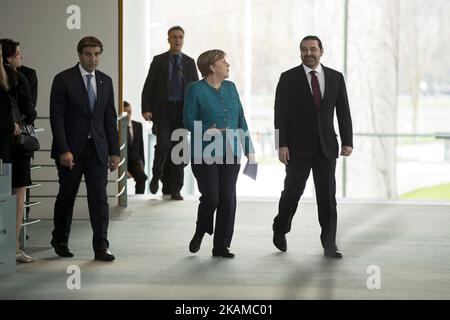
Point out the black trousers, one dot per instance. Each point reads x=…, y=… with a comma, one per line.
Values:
x=170, y=174
x=138, y=173
x=297, y=173
x=96, y=177
x=217, y=185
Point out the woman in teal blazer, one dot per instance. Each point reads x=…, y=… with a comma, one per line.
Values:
x=213, y=114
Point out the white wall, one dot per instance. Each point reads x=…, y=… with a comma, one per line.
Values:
x=49, y=46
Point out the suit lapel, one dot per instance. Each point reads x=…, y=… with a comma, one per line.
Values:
x=185, y=69
x=328, y=82
x=165, y=69
x=304, y=84
x=82, y=85
x=100, y=90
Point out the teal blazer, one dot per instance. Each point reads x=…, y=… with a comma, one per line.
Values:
x=206, y=107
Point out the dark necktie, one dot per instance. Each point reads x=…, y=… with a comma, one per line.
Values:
x=90, y=92
x=316, y=89
x=130, y=134
x=175, y=85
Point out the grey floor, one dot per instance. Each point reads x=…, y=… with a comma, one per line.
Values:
x=410, y=244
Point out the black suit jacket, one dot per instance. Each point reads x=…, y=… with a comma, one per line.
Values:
x=22, y=106
x=31, y=76
x=301, y=127
x=6, y=126
x=71, y=118
x=156, y=87
x=136, y=148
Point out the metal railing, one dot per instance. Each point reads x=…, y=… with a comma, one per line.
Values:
x=123, y=164
x=121, y=194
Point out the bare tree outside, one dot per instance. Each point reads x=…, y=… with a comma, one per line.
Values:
x=398, y=78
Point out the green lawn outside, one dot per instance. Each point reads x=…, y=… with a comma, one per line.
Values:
x=438, y=192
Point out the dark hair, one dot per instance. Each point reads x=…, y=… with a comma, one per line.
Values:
x=175, y=28
x=9, y=48
x=89, y=42
x=125, y=104
x=312, y=38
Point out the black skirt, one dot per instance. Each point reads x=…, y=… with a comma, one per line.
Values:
x=21, y=164
x=5, y=147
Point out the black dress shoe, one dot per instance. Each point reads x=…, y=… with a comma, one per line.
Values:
x=279, y=240
x=176, y=196
x=332, y=253
x=154, y=185
x=104, y=255
x=222, y=252
x=195, y=243
x=61, y=249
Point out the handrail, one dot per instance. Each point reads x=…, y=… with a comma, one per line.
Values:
x=121, y=177
x=122, y=162
x=403, y=135
x=121, y=192
x=122, y=183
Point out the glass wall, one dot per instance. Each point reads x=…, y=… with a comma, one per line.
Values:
x=394, y=55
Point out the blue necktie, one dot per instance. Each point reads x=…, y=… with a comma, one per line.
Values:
x=175, y=85
x=90, y=92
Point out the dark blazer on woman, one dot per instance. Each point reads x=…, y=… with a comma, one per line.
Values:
x=6, y=126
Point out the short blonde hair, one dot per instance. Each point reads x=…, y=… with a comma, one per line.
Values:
x=208, y=58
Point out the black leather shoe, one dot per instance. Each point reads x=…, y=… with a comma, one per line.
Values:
x=195, y=243
x=154, y=185
x=332, y=253
x=61, y=249
x=104, y=255
x=279, y=240
x=176, y=196
x=222, y=252
x=165, y=190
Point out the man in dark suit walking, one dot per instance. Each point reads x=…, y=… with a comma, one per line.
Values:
x=135, y=150
x=162, y=103
x=85, y=142
x=306, y=98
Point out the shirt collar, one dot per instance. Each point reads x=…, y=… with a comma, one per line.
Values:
x=84, y=72
x=176, y=54
x=307, y=69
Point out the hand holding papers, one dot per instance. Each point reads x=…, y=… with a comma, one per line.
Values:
x=251, y=167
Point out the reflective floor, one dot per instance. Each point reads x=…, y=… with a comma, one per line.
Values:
x=391, y=251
